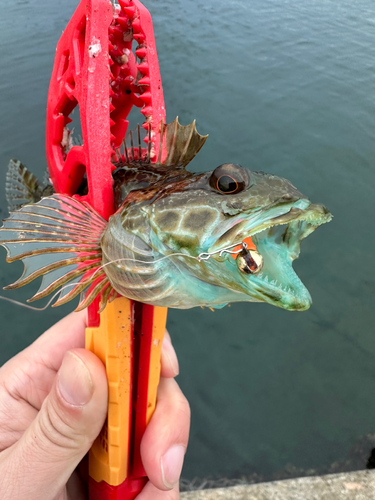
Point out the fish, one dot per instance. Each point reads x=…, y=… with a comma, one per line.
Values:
x=177, y=239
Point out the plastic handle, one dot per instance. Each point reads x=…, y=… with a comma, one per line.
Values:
x=125, y=347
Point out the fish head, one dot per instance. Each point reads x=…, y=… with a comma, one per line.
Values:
x=207, y=222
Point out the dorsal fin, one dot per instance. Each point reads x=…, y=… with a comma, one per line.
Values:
x=178, y=145
x=182, y=143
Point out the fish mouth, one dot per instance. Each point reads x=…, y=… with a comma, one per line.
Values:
x=277, y=239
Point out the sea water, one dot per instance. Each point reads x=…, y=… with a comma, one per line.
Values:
x=283, y=86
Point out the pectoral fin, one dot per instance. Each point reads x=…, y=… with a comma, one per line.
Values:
x=58, y=238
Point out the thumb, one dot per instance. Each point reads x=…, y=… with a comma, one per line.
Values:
x=69, y=420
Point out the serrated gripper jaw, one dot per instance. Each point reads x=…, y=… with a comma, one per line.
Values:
x=135, y=77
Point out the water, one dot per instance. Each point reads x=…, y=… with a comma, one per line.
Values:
x=284, y=86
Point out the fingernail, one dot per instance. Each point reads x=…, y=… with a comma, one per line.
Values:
x=171, y=465
x=74, y=381
x=170, y=353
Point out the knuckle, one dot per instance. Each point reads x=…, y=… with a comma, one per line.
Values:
x=54, y=428
x=184, y=406
x=177, y=410
x=178, y=399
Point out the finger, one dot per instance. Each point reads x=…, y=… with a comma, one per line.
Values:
x=29, y=376
x=68, y=333
x=150, y=492
x=41, y=462
x=164, y=443
x=169, y=361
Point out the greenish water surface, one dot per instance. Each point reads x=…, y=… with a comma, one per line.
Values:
x=284, y=86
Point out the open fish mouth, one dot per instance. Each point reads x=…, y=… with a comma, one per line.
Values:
x=277, y=240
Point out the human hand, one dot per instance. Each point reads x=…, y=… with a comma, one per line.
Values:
x=53, y=403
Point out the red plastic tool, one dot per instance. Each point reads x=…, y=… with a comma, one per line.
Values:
x=96, y=69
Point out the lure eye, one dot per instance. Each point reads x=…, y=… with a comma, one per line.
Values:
x=249, y=261
x=229, y=178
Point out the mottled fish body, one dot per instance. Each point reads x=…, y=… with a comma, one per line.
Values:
x=176, y=237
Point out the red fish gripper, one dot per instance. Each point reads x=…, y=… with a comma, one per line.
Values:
x=96, y=69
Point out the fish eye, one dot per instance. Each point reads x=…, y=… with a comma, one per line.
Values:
x=229, y=178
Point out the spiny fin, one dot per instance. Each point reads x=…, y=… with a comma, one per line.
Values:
x=58, y=238
x=178, y=146
x=182, y=143
x=21, y=186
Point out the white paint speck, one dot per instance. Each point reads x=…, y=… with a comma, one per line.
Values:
x=95, y=47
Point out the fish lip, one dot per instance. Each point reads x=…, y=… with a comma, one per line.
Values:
x=289, y=293
x=287, y=290
x=297, y=298
x=231, y=236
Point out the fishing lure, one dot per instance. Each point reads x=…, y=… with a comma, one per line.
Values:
x=173, y=237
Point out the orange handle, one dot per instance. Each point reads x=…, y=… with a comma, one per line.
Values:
x=124, y=341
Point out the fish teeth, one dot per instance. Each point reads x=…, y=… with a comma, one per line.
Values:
x=277, y=284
